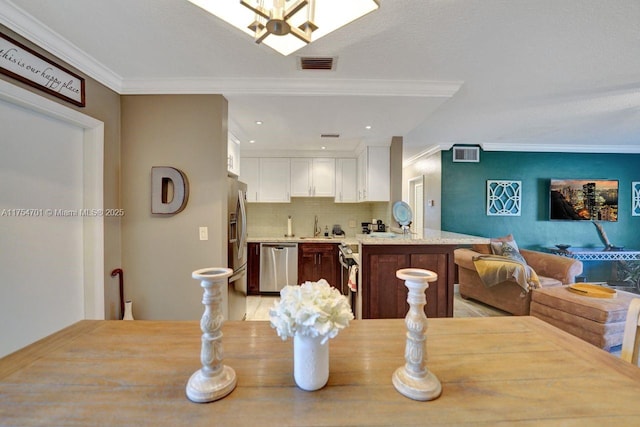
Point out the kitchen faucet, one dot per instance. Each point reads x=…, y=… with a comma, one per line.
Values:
x=316, y=228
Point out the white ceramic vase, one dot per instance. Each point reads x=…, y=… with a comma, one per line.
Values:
x=310, y=362
x=128, y=312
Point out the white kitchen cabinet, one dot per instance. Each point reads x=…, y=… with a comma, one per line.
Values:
x=346, y=181
x=361, y=180
x=275, y=180
x=251, y=176
x=267, y=179
x=301, y=179
x=374, y=174
x=313, y=177
x=233, y=155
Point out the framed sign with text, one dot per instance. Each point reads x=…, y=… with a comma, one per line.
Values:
x=22, y=63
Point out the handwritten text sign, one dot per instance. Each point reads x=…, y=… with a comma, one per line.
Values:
x=22, y=63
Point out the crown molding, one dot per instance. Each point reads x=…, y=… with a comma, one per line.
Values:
x=282, y=86
x=428, y=152
x=561, y=148
x=35, y=31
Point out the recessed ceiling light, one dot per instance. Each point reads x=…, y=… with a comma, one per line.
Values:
x=251, y=141
x=367, y=127
x=258, y=122
x=324, y=148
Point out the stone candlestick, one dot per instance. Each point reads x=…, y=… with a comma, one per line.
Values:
x=413, y=379
x=214, y=380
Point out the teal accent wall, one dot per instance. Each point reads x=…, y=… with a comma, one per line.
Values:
x=464, y=197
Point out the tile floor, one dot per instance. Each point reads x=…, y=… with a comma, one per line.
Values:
x=258, y=307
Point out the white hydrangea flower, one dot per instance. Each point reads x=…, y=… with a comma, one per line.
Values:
x=311, y=309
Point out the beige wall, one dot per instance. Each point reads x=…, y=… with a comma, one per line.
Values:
x=103, y=104
x=430, y=167
x=188, y=132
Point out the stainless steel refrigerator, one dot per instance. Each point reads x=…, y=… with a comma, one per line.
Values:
x=237, y=252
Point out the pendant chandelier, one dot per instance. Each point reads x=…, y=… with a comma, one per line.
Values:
x=287, y=25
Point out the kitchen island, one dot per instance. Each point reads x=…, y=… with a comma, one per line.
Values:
x=380, y=294
x=494, y=371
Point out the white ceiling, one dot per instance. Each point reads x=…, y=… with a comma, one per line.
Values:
x=530, y=75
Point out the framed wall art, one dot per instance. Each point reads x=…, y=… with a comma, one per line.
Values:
x=504, y=198
x=26, y=65
x=635, y=198
x=583, y=199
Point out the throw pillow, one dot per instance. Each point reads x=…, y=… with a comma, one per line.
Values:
x=496, y=244
x=509, y=251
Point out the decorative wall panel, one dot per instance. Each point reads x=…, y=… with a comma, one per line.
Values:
x=504, y=198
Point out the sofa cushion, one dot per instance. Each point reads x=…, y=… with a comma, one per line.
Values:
x=549, y=282
x=482, y=248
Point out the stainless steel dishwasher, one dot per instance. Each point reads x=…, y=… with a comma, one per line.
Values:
x=278, y=266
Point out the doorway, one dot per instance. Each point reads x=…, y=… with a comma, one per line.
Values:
x=51, y=164
x=416, y=201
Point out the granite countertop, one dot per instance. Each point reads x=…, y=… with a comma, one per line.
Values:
x=427, y=237
x=295, y=239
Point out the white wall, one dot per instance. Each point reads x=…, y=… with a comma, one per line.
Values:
x=41, y=259
x=429, y=167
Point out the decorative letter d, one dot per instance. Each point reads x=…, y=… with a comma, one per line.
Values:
x=166, y=182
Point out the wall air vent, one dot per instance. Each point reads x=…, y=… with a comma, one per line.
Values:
x=316, y=63
x=466, y=154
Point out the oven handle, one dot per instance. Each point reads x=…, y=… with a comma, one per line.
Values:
x=343, y=262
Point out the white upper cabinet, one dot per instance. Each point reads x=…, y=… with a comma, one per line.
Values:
x=233, y=155
x=301, y=178
x=275, y=184
x=374, y=175
x=251, y=176
x=313, y=177
x=267, y=179
x=346, y=181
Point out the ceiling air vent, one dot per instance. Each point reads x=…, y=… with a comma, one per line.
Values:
x=329, y=135
x=466, y=154
x=316, y=63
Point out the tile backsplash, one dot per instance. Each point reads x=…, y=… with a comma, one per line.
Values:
x=270, y=219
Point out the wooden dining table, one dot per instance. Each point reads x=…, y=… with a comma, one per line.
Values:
x=494, y=371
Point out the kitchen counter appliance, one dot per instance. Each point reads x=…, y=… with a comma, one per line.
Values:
x=278, y=266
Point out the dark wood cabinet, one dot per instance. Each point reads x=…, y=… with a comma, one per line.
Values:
x=385, y=296
x=253, y=268
x=318, y=261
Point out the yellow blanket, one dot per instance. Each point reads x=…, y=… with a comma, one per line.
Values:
x=494, y=269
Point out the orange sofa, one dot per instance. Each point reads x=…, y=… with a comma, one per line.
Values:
x=552, y=270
